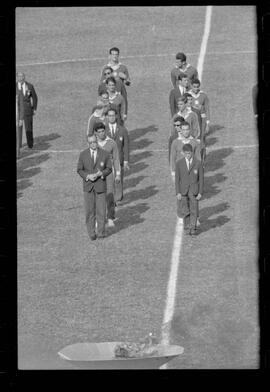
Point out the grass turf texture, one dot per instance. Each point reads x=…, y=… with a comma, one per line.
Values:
x=71, y=290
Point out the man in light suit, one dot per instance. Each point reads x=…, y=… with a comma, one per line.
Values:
x=93, y=166
x=189, y=188
x=27, y=100
x=119, y=134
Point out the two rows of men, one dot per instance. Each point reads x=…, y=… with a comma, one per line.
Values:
x=189, y=108
x=108, y=142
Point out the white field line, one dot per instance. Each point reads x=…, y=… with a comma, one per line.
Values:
x=175, y=259
x=86, y=59
x=213, y=148
x=206, y=33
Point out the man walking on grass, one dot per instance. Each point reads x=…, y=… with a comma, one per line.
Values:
x=94, y=166
x=110, y=146
x=189, y=188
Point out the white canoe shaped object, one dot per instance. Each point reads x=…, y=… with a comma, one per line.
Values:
x=101, y=356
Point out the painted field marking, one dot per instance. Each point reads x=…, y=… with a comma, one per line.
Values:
x=163, y=150
x=175, y=259
x=78, y=60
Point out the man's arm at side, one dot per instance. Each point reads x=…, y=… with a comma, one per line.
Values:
x=80, y=167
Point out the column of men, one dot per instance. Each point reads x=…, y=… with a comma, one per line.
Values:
x=103, y=163
x=189, y=107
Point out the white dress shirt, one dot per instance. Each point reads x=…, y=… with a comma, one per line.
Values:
x=113, y=129
x=188, y=162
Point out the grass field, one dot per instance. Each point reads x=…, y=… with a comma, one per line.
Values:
x=71, y=290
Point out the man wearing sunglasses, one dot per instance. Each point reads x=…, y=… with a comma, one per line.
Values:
x=119, y=85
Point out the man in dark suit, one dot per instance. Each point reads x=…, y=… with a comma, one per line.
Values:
x=178, y=92
x=189, y=188
x=93, y=166
x=27, y=99
x=120, y=135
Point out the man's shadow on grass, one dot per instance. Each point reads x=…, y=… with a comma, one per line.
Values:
x=129, y=213
x=207, y=212
x=136, y=164
x=27, y=164
x=137, y=133
x=209, y=140
x=215, y=159
x=211, y=187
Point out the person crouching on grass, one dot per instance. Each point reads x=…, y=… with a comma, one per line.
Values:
x=189, y=188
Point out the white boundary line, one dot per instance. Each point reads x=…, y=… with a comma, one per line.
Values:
x=78, y=60
x=214, y=148
x=175, y=259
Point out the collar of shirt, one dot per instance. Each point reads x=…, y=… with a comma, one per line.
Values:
x=113, y=65
x=195, y=95
x=186, y=67
x=103, y=142
x=111, y=98
x=189, y=162
x=184, y=113
x=113, y=127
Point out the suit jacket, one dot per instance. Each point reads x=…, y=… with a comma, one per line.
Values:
x=122, y=140
x=28, y=101
x=86, y=166
x=175, y=94
x=199, y=116
x=191, y=179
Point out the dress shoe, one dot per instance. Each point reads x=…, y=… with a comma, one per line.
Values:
x=93, y=237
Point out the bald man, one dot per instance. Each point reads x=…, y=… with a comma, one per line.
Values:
x=27, y=100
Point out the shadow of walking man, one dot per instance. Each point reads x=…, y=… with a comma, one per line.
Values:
x=28, y=164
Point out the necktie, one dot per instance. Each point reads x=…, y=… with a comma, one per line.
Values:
x=93, y=156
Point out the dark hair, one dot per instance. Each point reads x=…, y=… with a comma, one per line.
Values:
x=111, y=109
x=179, y=118
x=108, y=67
x=103, y=92
x=187, y=147
x=187, y=95
x=111, y=79
x=182, y=75
x=185, y=123
x=114, y=49
x=196, y=81
x=98, y=125
x=182, y=99
x=181, y=56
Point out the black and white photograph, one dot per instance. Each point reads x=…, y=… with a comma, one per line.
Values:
x=137, y=159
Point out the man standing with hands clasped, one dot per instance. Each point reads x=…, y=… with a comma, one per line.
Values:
x=27, y=103
x=189, y=188
x=93, y=166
